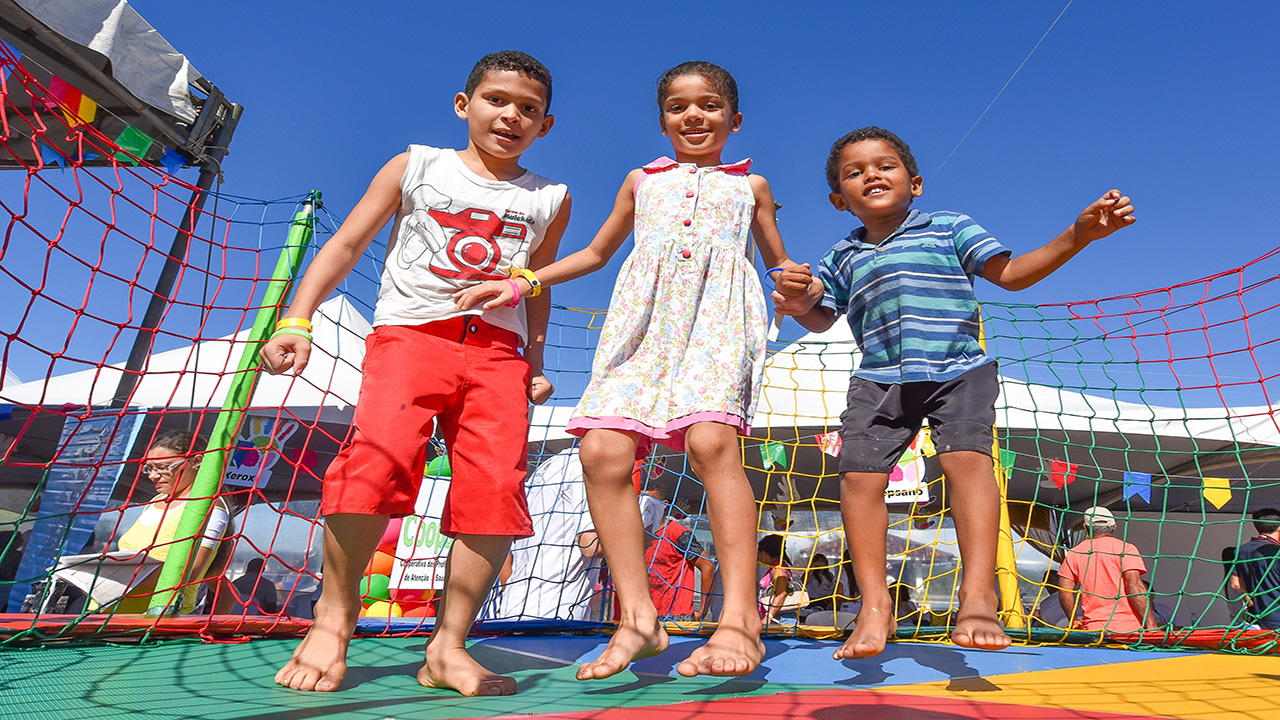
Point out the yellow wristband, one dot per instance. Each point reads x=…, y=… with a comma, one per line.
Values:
x=535, y=285
x=294, y=322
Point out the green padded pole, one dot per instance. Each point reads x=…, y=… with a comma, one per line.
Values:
x=209, y=478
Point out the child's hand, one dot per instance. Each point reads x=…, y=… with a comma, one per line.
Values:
x=797, y=291
x=285, y=351
x=540, y=389
x=1106, y=215
x=499, y=290
x=794, y=281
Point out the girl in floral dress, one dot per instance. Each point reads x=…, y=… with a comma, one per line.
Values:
x=680, y=359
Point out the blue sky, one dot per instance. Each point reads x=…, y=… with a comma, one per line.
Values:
x=1175, y=103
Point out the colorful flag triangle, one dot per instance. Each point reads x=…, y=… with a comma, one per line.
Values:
x=1137, y=483
x=133, y=143
x=1062, y=473
x=5, y=63
x=830, y=443
x=1217, y=491
x=74, y=105
x=773, y=453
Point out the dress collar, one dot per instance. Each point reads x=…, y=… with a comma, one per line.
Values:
x=665, y=163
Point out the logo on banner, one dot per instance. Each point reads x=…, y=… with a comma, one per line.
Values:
x=906, y=480
x=422, y=549
x=257, y=450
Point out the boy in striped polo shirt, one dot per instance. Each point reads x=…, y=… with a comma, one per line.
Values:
x=905, y=279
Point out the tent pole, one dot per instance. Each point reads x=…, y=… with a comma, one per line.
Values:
x=208, y=480
x=145, y=340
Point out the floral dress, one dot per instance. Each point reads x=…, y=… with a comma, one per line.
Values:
x=685, y=337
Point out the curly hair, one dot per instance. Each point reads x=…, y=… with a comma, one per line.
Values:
x=718, y=77
x=179, y=441
x=512, y=60
x=868, y=133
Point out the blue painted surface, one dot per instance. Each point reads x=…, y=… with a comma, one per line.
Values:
x=809, y=662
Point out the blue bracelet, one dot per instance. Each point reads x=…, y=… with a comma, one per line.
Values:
x=768, y=275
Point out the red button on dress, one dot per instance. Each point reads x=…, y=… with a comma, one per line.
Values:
x=687, y=223
x=686, y=254
x=693, y=170
x=688, y=193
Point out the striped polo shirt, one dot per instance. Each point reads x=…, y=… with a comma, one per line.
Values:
x=910, y=299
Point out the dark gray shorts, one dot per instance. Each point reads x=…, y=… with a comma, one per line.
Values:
x=880, y=420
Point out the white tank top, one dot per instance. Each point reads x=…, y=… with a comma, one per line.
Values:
x=455, y=229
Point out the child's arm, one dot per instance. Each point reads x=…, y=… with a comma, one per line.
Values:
x=795, y=280
x=537, y=310
x=334, y=261
x=496, y=293
x=1109, y=213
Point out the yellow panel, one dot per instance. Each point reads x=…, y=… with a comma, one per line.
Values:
x=1195, y=686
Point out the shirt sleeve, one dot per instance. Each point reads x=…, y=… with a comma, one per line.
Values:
x=1132, y=560
x=689, y=545
x=1067, y=571
x=835, y=292
x=219, y=519
x=974, y=245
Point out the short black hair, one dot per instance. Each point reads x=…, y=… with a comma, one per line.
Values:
x=719, y=78
x=868, y=133
x=515, y=61
x=770, y=545
x=1266, y=520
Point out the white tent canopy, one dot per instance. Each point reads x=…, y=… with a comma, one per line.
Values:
x=199, y=375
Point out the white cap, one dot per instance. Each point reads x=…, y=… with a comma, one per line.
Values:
x=1099, y=517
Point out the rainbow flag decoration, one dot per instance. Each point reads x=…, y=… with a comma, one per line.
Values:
x=76, y=106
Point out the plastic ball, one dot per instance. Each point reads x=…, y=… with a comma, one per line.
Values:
x=380, y=564
x=418, y=611
x=375, y=587
x=391, y=536
x=416, y=596
x=383, y=609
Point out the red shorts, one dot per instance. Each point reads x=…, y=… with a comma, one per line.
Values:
x=470, y=377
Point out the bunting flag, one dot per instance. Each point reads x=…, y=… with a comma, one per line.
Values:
x=926, y=443
x=1217, y=491
x=133, y=142
x=773, y=453
x=76, y=107
x=1007, y=459
x=1062, y=473
x=49, y=156
x=1137, y=483
x=172, y=161
x=5, y=62
x=830, y=443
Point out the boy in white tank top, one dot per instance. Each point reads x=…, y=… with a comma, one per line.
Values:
x=461, y=217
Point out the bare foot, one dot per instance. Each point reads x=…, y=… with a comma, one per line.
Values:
x=320, y=661
x=732, y=650
x=629, y=643
x=874, y=626
x=978, y=626
x=454, y=669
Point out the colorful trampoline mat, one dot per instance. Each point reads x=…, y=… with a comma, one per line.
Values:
x=798, y=680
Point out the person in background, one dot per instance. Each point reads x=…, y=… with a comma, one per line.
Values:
x=1256, y=571
x=1101, y=579
x=672, y=559
x=775, y=581
x=171, y=464
x=553, y=573
x=255, y=594
x=820, y=583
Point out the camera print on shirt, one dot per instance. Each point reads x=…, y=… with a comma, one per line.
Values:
x=462, y=244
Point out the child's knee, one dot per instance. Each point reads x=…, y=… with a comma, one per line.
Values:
x=863, y=483
x=706, y=446
x=604, y=457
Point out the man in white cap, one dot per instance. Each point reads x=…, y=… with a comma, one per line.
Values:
x=1102, y=586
